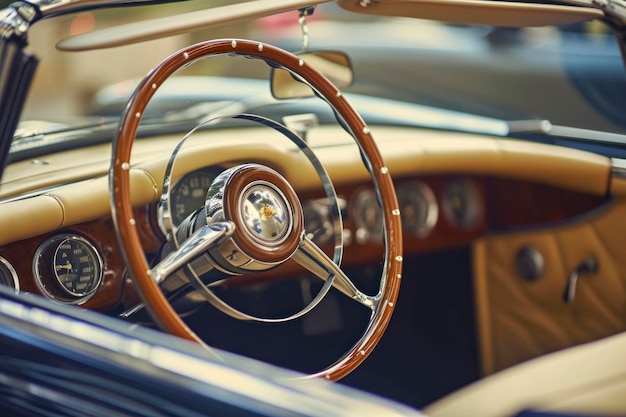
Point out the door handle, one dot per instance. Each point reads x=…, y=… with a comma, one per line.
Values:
x=589, y=265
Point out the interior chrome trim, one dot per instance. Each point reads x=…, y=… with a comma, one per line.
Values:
x=42, y=255
x=618, y=167
x=15, y=284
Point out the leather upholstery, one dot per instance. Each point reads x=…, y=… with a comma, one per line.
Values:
x=589, y=379
x=519, y=319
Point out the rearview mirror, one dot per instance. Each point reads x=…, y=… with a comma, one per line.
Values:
x=333, y=65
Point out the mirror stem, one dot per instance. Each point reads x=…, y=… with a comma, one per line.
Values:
x=303, y=13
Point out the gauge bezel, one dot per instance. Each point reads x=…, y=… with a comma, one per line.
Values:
x=362, y=199
x=432, y=208
x=47, y=279
x=4, y=263
x=472, y=212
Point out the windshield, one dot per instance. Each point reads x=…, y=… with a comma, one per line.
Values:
x=569, y=75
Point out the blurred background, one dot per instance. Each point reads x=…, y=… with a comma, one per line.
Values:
x=570, y=75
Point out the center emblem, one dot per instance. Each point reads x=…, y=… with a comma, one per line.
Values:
x=267, y=213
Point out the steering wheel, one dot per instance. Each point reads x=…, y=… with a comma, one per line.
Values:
x=258, y=214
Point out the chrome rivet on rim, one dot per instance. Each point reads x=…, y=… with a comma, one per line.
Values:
x=185, y=55
x=125, y=166
x=396, y=212
x=233, y=44
x=384, y=170
x=260, y=47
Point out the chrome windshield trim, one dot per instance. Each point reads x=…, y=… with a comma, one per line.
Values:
x=49, y=8
x=544, y=127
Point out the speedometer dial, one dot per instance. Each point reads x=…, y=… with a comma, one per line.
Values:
x=68, y=268
x=76, y=267
x=189, y=193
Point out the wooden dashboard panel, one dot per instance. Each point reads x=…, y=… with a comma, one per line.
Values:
x=503, y=204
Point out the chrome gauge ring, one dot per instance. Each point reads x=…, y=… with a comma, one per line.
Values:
x=8, y=275
x=68, y=268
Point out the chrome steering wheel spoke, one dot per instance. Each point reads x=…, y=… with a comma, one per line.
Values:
x=198, y=244
x=314, y=260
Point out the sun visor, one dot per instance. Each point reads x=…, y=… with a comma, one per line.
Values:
x=488, y=12
x=147, y=30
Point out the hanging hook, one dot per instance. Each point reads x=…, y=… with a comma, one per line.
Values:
x=303, y=13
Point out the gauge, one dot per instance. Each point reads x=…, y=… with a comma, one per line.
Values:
x=318, y=218
x=8, y=276
x=316, y=222
x=68, y=268
x=418, y=207
x=461, y=203
x=367, y=216
x=189, y=193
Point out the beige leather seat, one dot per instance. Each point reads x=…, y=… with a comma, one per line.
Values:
x=586, y=379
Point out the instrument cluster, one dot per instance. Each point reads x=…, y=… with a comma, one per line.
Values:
x=450, y=204
x=81, y=264
x=69, y=267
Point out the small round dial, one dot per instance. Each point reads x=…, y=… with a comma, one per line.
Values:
x=418, y=207
x=76, y=267
x=461, y=203
x=68, y=268
x=367, y=216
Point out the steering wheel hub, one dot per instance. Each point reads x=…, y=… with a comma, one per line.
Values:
x=263, y=206
x=266, y=214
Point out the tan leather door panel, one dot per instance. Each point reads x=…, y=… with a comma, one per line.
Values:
x=520, y=319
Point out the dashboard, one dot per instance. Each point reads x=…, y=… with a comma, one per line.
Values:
x=453, y=188
x=468, y=204
x=81, y=264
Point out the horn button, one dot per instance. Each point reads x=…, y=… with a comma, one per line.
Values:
x=266, y=212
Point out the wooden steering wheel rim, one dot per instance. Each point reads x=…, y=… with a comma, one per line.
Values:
x=125, y=223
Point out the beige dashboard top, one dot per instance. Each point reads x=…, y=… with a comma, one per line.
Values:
x=69, y=193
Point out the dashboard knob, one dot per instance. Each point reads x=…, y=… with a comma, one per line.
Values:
x=529, y=263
